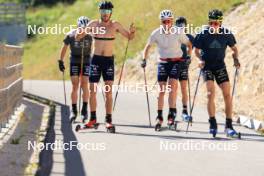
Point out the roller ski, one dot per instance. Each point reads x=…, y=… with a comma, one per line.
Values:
x=90, y=125
x=229, y=130
x=159, y=123
x=213, y=127
x=110, y=128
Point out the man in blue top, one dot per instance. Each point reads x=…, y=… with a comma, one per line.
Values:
x=210, y=47
x=181, y=22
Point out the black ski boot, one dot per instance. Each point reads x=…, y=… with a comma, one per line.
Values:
x=159, y=123
x=84, y=115
x=110, y=128
x=74, y=115
x=213, y=127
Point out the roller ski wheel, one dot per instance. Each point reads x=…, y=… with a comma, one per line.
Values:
x=77, y=128
x=110, y=128
x=158, y=127
x=231, y=133
x=213, y=132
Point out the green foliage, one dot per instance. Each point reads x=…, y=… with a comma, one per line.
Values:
x=42, y=52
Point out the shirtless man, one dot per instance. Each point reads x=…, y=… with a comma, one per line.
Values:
x=103, y=60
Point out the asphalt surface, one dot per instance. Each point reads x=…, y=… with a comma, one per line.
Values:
x=136, y=149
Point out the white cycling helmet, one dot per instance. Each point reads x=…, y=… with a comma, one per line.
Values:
x=166, y=14
x=82, y=21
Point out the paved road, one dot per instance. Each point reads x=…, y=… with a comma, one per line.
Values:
x=137, y=149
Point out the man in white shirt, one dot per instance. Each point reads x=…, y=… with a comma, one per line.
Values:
x=169, y=47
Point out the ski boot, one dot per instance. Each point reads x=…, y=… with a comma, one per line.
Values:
x=213, y=127
x=159, y=123
x=84, y=115
x=186, y=118
x=110, y=128
x=73, y=116
x=229, y=130
x=171, y=121
x=90, y=125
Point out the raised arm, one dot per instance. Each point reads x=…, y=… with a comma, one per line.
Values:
x=128, y=34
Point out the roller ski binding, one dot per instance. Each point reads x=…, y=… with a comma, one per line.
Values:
x=110, y=128
x=213, y=127
x=159, y=123
x=90, y=125
x=229, y=130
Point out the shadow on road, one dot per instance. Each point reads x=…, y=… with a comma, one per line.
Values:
x=73, y=162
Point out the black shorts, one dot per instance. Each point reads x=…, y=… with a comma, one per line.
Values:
x=75, y=69
x=168, y=70
x=102, y=65
x=220, y=75
x=184, y=72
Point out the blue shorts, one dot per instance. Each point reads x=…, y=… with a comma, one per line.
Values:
x=168, y=70
x=102, y=65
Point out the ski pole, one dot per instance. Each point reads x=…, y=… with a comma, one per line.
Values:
x=121, y=73
x=146, y=89
x=234, y=84
x=196, y=90
x=64, y=88
x=80, y=80
x=189, y=92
